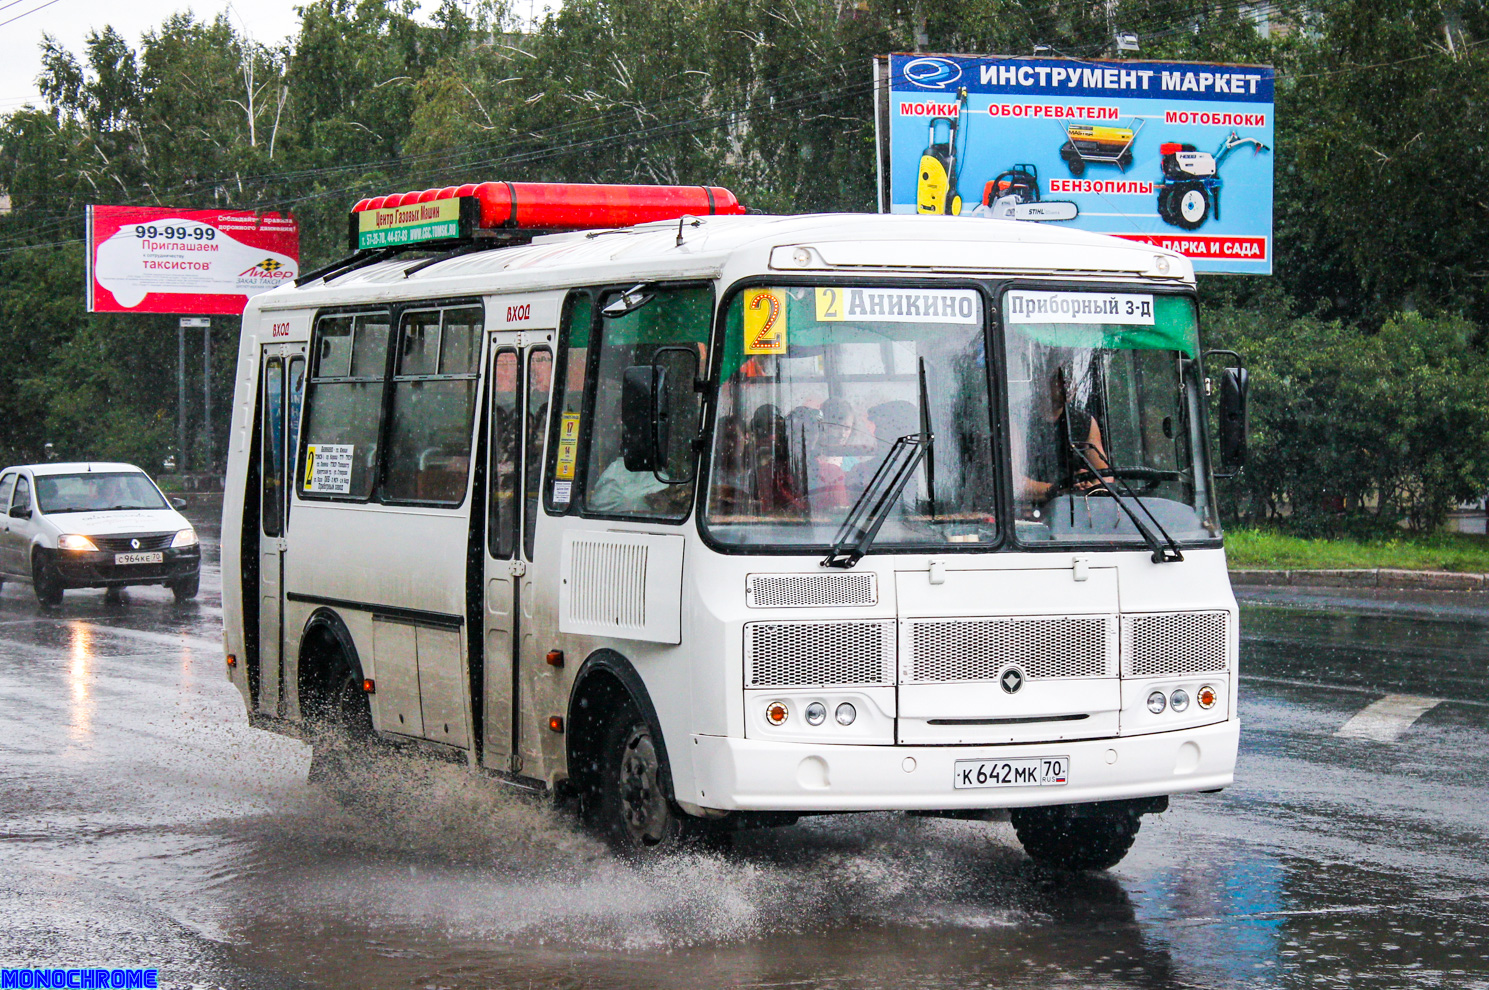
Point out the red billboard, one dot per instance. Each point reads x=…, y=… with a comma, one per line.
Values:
x=150, y=259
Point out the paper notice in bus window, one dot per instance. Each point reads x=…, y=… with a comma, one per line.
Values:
x=869, y=305
x=1123, y=308
x=562, y=492
x=568, y=450
x=764, y=321
x=328, y=468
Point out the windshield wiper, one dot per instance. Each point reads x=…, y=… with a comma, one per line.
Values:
x=880, y=495
x=1162, y=554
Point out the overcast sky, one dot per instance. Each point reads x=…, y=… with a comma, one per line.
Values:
x=69, y=21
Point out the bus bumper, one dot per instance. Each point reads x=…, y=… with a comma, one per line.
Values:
x=751, y=775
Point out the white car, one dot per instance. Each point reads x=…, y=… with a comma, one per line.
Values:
x=93, y=525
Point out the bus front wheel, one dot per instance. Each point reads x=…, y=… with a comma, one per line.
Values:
x=631, y=807
x=1068, y=838
x=339, y=719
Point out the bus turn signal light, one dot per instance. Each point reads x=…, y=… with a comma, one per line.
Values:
x=555, y=658
x=369, y=685
x=556, y=723
x=776, y=713
x=1206, y=697
x=232, y=661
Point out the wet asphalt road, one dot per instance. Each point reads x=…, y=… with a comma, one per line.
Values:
x=143, y=824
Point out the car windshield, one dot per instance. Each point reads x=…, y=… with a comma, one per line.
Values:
x=1100, y=398
x=818, y=383
x=97, y=491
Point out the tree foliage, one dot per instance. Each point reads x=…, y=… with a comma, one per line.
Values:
x=1367, y=345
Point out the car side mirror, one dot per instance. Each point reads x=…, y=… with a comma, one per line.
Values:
x=643, y=416
x=178, y=503
x=20, y=512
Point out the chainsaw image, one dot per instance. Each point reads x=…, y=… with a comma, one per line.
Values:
x=1190, y=189
x=1087, y=143
x=936, y=191
x=1014, y=195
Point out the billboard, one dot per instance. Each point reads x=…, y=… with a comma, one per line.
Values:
x=1176, y=154
x=149, y=259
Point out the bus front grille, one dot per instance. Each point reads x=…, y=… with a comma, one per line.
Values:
x=819, y=654
x=810, y=590
x=939, y=650
x=1165, y=644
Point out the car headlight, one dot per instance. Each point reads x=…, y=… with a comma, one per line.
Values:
x=72, y=541
x=185, y=538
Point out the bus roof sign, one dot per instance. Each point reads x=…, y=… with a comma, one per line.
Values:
x=467, y=212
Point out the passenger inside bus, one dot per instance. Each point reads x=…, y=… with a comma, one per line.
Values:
x=1052, y=432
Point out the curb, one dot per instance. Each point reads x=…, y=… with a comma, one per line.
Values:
x=1375, y=577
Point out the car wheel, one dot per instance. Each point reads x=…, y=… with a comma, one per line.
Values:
x=632, y=808
x=1061, y=838
x=186, y=588
x=48, y=586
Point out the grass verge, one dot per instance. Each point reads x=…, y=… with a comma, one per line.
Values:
x=1260, y=548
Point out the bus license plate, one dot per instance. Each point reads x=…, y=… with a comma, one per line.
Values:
x=139, y=558
x=1033, y=771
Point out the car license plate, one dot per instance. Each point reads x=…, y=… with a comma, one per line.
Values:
x=1032, y=771
x=139, y=558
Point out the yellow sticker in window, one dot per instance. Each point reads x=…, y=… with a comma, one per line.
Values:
x=568, y=446
x=829, y=305
x=764, y=321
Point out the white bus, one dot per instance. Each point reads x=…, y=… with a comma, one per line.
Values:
x=717, y=521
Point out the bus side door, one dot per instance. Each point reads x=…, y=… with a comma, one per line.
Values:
x=520, y=377
x=283, y=393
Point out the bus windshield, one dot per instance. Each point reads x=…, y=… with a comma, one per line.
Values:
x=1102, y=410
x=817, y=385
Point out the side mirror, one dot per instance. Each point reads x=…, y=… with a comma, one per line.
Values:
x=1233, y=388
x=178, y=503
x=643, y=417
x=679, y=413
x=20, y=512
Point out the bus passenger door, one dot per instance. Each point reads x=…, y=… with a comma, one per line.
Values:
x=504, y=567
x=283, y=384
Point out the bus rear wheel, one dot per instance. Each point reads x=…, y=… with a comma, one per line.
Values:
x=338, y=718
x=1064, y=837
x=631, y=807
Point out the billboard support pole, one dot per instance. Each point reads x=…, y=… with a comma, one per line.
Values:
x=207, y=395
x=181, y=398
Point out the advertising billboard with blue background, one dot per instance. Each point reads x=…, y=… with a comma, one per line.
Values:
x=1176, y=154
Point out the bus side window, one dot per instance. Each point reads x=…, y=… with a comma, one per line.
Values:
x=344, y=405
x=568, y=398
x=434, y=404
x=501, y=518
x=679, y=317
x=272, y=512
x=539, y=383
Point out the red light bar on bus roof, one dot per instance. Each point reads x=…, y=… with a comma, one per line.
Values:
x=457, y=213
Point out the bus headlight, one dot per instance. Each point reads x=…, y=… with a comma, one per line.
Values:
x=845, y=714
x=185, y=538
x=72, y=541
x=816, y=713
x=1157, y=702
x=1179, y=700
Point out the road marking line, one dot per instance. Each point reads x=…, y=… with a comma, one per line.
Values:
x=1385, y=720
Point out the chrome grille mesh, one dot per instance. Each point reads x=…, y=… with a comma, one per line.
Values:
x=803, y=590
x=939, y=650
x=790, y=654
x=1169, y=643
x=121, y=544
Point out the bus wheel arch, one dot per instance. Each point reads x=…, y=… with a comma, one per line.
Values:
x=612, y=732
x=329, y=676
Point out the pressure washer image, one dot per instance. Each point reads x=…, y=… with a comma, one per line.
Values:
x=1189, y=192
x=936, y=192
x=1099, y=144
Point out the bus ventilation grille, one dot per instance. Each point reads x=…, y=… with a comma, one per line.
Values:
x=1169, y=643
x=940, y=650
x=809, y=590
x=608, y=582
x=819, y=654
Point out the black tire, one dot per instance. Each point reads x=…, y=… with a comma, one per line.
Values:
x=48, y=586
x=1061, y=838
x=338, y=720
x=1073, y=160
x=631, y=806
x=1166, y=204
x=1124, y=160
x=1191, y=205
x=185, y=589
